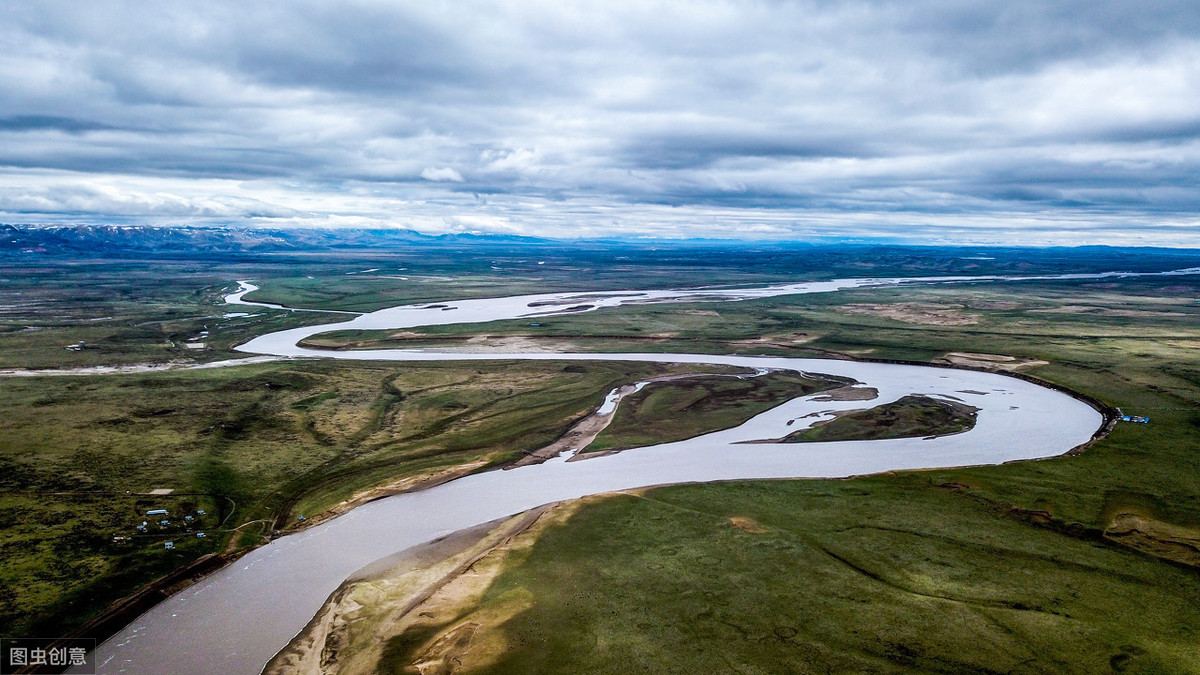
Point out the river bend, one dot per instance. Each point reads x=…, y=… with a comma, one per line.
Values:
x=236, y=619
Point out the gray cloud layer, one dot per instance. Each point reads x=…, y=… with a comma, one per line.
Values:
x=1006, y=122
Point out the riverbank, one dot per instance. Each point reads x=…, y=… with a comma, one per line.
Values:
x=135, y=368
x=411, y=591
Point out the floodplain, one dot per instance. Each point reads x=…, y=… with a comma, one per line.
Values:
x=1126, y=505
x=1075, y=564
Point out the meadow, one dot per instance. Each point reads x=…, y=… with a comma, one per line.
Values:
x=908, y=417
x=885, y=574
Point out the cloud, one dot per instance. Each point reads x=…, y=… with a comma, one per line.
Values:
x=443, y=174
x=916, y=119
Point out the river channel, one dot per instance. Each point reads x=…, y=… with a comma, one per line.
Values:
x=236, y=619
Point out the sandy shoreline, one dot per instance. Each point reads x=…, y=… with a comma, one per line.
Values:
x=136, y=368
x=398, y=585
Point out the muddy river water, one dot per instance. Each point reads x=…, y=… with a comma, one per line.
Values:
x=237, y=618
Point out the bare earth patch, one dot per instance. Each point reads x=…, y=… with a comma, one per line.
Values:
x=1156, y=537
x=995, y=304
x=491, y=343
x=990, y=361
x=479, y=344
x=777, y=341
x=911, y=312
x=1102, y=311
x=851, y=393
x=746, y=525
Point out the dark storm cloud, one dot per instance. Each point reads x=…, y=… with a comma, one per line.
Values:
x=698, y=151
x=37, y=122
x=1168, y=133
x=874, y=119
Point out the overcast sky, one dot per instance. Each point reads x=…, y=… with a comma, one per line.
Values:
x=918, y=120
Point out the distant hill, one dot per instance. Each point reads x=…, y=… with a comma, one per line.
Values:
x=124, y=239
x=766, y=259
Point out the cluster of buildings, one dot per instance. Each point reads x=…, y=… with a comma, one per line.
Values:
x=163, y=523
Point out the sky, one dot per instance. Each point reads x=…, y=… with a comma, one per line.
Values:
x=914, y=121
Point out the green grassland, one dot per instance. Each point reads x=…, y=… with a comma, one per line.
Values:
x=129, y=312
x=877, y=575
x=908, y=417
x=364, y=281
x=1025, y=316
x=663, y=412
x=255, y=446
x=132, y=311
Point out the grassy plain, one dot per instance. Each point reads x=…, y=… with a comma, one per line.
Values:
x=133, y=310
x=364, y=282
x=884, y=574
x=128, y=312
x=1134, y=344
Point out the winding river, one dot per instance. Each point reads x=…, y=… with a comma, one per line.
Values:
x=236, y=619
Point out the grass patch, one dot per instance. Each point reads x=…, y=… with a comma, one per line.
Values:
x=883, y=574
x=909, y=417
